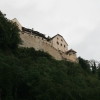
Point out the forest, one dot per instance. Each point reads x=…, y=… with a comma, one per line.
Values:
x=26, y=74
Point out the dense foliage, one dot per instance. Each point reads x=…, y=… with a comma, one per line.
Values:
x=9, y=37
x=34, y=75
x=26, y=74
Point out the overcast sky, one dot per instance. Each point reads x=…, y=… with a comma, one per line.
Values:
x=78, y=21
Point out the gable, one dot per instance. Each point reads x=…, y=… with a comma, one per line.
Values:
x=71, y=51
x=58, y=35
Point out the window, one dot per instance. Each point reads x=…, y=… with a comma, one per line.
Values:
x=57, y=42
x=57, y=38
x=61, y=40
x=61, y=44
x=64, y=45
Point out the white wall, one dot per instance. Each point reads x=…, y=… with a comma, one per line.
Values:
x=59, y=43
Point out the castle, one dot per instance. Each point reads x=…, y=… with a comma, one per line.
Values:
x=55, y=46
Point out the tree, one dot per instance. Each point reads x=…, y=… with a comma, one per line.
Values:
x=93, y=65
x=9, y=37
x=84, y=64
x=98, y=70
x=94, y=68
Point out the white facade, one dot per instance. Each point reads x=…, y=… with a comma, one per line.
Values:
x=59, y=43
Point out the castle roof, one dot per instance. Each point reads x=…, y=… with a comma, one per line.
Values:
x=33, y=32
x=71, y=50
x=57, y=35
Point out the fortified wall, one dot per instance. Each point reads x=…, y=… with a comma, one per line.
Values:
x=56, y=46
x=39, y=43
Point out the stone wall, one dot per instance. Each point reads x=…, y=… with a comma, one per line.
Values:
x=39, y=43
x=72, y=57
x=42, y=44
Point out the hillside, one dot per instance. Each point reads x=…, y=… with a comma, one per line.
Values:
x=26, y=74
x=30, y=74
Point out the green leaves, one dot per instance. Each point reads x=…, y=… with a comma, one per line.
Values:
x=84, y=64
x=9, y=36
x=30, y=74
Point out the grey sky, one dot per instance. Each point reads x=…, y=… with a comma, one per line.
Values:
x=78, y=21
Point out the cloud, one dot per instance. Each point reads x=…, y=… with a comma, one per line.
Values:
x=89, y=47
x=77, y=21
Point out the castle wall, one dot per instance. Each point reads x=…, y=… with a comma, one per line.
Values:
x=39, y=43
x=71, y=57
x=42, y=44
x=57, y=47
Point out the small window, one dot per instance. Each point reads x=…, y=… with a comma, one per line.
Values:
x=57, y=38
x=57, y=42
x=61, y=44
x=61, y=40
x=64, y=46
